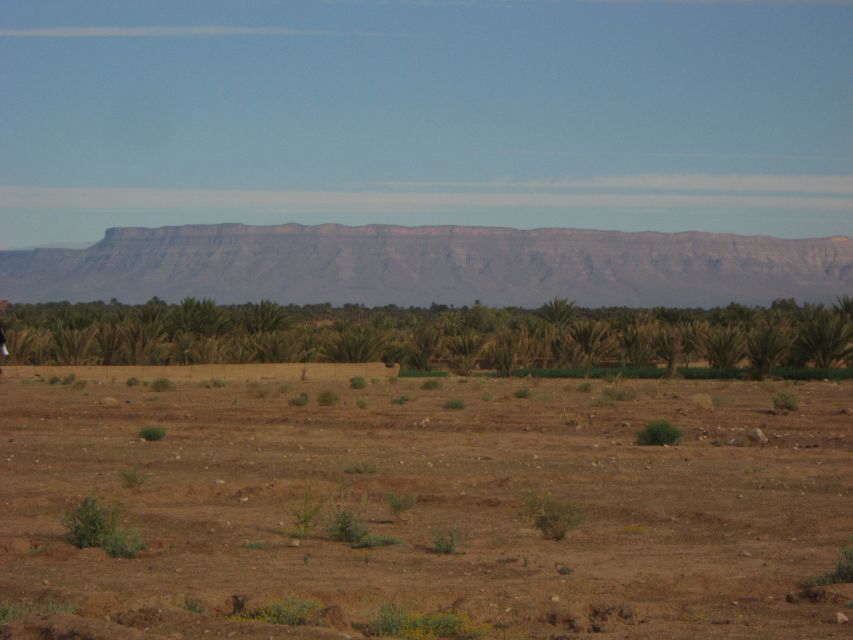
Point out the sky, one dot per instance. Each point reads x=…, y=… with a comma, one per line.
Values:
x=725, y=116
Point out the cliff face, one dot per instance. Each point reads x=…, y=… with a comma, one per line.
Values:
x=380, y=264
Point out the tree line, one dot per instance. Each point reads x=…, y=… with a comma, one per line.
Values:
x=559, y=334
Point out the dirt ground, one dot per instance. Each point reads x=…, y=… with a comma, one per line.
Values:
x=700, y=540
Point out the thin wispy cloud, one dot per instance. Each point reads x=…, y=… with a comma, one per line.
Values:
x=199, y=31
x=152, y=199
x=810, y=184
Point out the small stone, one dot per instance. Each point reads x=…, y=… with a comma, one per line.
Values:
x=109, y=402
x=555, y=598
x=840, y=618
x=757, y=436
x=293, y=543
x=743, y=553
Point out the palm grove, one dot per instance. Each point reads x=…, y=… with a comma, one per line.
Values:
x=558, y=338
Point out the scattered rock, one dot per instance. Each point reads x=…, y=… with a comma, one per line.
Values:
x=736, y=442
x=109, y=402
x=756, y=436
x=840, y=618
x=792, y=598
x=744, y=553
x=293, y=543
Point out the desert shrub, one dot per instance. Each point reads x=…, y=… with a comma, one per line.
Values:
x=122, y=543
x=132, y=382
x=162, y=384
x=399, y=504
x=584, y=387
x=133, y=477
x=299, y=401
x=521, y=393
x=843, y=571
x=152, y=434
x=454, y=403
x=446, y=540
x=215, y=383
x=361, y=467
x=291, y=612
x=784, y=400
x=361, y=403
x=619, y=393
x=431, y=385
x=400, y=400
x=306, y=512
x=79, y=384
x=254, y=545
x=193, y=605
x=551, y=517
x=9, y=611
x=487, y=397
x=54, y=380
x=327, y=398
x=90, y=522
x=702, y=400
x=397, y=622
x=346, y=526
x=69, y=379
x=659, y=432
x=370, y=541
x=357, y=383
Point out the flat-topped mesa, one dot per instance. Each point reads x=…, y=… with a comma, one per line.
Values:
x=386, y=264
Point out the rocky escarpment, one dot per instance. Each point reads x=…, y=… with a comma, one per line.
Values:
x=380, y=264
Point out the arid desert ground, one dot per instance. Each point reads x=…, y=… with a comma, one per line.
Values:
x=707, y=539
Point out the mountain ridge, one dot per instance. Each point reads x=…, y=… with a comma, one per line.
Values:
x=450, y=264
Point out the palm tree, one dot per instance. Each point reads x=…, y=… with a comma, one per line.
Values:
x=767, y=344
x=669, y=344
x=594, y=342
x=559, y=312
x=637, y=342
x=424, y=342
x=724, y=346
x=824, y=339
x=73, y=346
x=464, y=350
x=361, y=343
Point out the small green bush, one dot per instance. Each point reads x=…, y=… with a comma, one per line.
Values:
x=299, y=401
x=361, y=403
x=446, y=540
x=80, y=384
x=328, y=398
x=9, y=611
x=619, y=393
x=521, y=393
x=215, y=383
x=306, y=512
x=193, y=605
x=162, y=384
x=361, y=467
x=69, y=379
x=487, y=397
x=152, y=434
x=552, y=518
x=289, y=612
x=584, y=387
x=54, y=380
x=399, y=504
x=396, y=622
x=454, y=404
x=784, y=400
x=659, y=432
x=132, y=382
x=133, y=478
x=431, y=384
x=843, y=571
x=346, y=526
x=122, y=543
x=400, y=400
x=357, y=383
x=90, y=522
x=371, y=541
x=255, y=546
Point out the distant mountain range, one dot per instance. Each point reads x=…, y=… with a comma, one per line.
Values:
x=379, y=264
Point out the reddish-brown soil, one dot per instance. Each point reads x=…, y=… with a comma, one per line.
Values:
x=692, y=541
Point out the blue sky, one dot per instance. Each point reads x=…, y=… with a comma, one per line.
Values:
x=670, y=115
